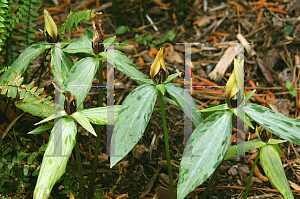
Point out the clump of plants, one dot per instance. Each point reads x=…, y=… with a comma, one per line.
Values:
x=208, y=144
x=206, y=147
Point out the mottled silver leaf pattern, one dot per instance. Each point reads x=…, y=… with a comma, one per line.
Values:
x=204, y=151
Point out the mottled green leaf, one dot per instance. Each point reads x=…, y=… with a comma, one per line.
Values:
x=179, y=95
x=277, y=123
x=123, y=64
x=161, y=88
x=81, y=77
x=147, y=81
x=133, y=119
x=82, y=45
x=170, y=101
x=20, y=65
x=273, y=141
x=61, y=143
x=239, y=112
x=271, y=163
x=260, y=144
x=204, y=151
x=215, y=108
x=61, y=63
x=99, y=115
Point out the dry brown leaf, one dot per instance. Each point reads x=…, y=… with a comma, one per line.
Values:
x=225, y=62
x=174, y=56
x=163, y=193
x=280, y=105
x=203, y=21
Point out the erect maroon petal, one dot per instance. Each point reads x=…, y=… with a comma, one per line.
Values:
x=73, y=107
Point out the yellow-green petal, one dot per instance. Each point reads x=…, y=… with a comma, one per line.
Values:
x=50, y=26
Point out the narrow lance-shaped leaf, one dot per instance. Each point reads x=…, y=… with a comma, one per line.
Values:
x=204, y=151
x=61, y=143
x=123, y=64
x=133, y=119
x=271, y=163
x=41, y=129
x=241, y=148
x=108, y=41
x=19, y=66
x=178, y=95
x=61, y=64
x=51, y=117
x=83, y=121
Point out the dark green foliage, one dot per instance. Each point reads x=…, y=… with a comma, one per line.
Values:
x=17, y=167
x=74, y=20
x=26, y=14
x=8, y=21
x=71, y=182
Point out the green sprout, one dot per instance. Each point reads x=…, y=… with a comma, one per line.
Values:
x=289, y=86
x=122, y=29
x=144, y=39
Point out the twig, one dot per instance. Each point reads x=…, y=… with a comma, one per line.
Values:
x=150, y=183
x=151, y=22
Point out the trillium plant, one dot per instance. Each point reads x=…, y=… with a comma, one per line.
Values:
x=138, y=106
x=71, y=80
x=209, y=142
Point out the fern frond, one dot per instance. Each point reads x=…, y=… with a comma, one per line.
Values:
x=26, y=14
x=7, y=22
x=73, y=21
x=29, y=99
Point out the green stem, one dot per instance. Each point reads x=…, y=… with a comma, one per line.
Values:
x=251, y=174
x=116, y=12
x=97, y=148
x=79, y=167
x=180, y=12
x=211, y=182
x=166, y=143
x=144, y=6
